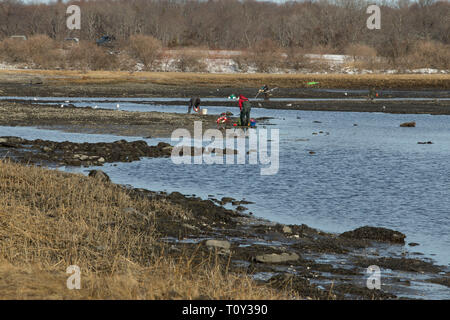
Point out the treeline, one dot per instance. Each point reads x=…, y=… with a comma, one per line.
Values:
x=323, y=26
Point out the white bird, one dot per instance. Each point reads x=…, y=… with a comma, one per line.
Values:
x=35, y=99
x=67, y=101
x=346, y=93
x=95, y=107
x=118, y=106
x=62, y=106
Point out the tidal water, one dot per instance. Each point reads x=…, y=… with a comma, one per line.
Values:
x=366, y=170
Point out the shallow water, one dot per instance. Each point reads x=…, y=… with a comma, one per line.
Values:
x=142, y=104
x=371, y=174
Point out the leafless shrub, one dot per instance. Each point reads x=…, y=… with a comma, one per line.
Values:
x=360, y=52
x=13, y=50
x=429, y=54
x=243, y=61
x=296, y=59
x=43, y=52
x=39, y=50
x=88, y=56
x=190, y=61
x=145, y=49
x=266, y=55
x=362, y=56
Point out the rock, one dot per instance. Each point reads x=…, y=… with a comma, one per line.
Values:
x=98, y=174
x=408, y=124
x=101, y=160
x=413, y=244
x=36, y=80
x=287, y=229
x=14, y=140
x=219, y=244
x=226, y=200
x=374, y=233
x=162, y=145
x=277, y=258
x=83, y=157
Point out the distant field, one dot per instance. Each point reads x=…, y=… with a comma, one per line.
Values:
x=405, y=81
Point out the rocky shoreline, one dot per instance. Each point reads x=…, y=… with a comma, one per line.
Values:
x=45, y=152
x=316, y=264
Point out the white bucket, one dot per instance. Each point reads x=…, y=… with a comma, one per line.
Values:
x=204, y=111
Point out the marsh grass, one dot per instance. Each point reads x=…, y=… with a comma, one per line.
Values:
x=409, y=81
x=50, y=220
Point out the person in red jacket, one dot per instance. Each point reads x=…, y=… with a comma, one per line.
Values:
x=245, y=107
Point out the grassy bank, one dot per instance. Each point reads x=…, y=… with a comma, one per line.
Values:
x=50, y=220
x=185, y=79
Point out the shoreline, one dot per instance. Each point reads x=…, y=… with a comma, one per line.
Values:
x=275, y=254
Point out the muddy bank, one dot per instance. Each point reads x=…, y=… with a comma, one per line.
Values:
x=401, y=107
x=101, y=121
x=178, y=84
x=148, y=90
x=45, y=152
x=315, y=264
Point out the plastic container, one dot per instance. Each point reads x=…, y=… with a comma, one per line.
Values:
x=252, y=123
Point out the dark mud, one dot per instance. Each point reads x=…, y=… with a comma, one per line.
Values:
x=378, y=234
x=21, y=85
x=45, y=152
x=283, y=256
x=79, y=154
x=393, y=106
x=100, y=121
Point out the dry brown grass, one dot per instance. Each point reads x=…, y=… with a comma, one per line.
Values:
x=407, y=81
x=50, y=220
